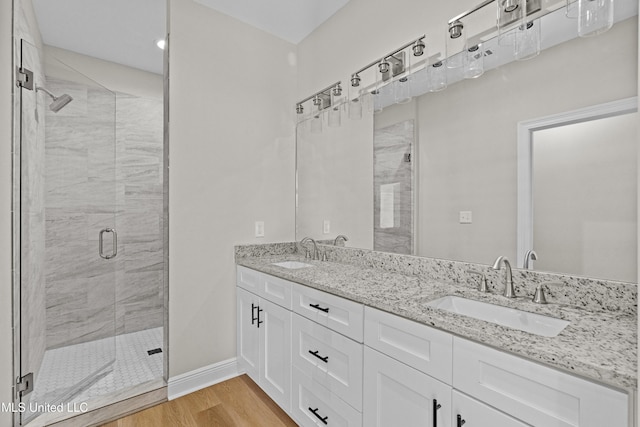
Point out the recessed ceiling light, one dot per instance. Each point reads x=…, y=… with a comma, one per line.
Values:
x=160, y=43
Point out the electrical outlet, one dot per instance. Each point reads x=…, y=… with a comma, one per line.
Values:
x=259, y=228
x=466, y=217
x=326, y=227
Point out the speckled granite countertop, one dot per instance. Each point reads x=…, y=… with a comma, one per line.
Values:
x=598, y=345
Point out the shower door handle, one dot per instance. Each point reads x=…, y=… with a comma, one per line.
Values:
x=101, y=243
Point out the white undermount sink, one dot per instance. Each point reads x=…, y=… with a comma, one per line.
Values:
x=292, y=265
x=517, y=319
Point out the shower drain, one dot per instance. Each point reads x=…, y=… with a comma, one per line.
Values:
x=154, y=351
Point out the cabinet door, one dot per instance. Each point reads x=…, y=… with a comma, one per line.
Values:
x=398, y=395
x=275, y=343
x=247, y=343
x=474, y=413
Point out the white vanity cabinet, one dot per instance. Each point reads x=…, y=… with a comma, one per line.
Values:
x=329, y=361
x=264, y=338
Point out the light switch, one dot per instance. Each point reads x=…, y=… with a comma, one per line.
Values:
x=465, y=217
x=326, y=227
x=259, y=228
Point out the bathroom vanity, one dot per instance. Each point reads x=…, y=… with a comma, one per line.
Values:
x=342, y=344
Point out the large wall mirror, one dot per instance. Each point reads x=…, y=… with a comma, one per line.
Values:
x=438, y=176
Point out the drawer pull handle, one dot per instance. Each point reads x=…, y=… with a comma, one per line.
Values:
x=460, y=421
x=315, y=412
x=317, y=307
x=436, y=406
x=324, y=359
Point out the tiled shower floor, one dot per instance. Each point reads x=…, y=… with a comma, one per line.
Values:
x=67, y=373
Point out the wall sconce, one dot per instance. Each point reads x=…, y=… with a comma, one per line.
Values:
x=594, y=17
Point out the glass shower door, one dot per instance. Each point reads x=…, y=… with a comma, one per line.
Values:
x=68, y=240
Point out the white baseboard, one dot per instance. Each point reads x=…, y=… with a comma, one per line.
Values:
x=203, y=377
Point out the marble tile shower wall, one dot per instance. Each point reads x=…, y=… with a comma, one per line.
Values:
x=103, y=169
x=393, y=184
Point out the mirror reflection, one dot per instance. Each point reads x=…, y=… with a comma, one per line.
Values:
x=438, y=176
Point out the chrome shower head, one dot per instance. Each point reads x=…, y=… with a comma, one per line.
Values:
x=59, y=102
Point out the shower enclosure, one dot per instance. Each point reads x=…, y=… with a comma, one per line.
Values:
x=89, y=230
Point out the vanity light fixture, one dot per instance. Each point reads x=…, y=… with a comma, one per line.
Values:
x=510, y=5
x=321, y=99
x=355, y=80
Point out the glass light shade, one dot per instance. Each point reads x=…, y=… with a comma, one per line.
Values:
x=594, y=17
x=437, y=76
x=335, y=116
x=474, y=61
x=456, y=42
x=571, y=10
x=527, y=41
x=316, y=122
x=402, y=89
x=354, y=109
x=511, y=14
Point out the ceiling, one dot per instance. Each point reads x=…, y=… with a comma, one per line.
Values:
x=125, y=31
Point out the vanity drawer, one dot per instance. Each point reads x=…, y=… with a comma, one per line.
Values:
x=419, y=346
x=312, y=402
x=329, y=358
x=534, y=393
x=271, y=288
x=339, y=314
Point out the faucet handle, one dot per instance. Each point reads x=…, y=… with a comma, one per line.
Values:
x=539, y=297
x=324, y=255
x=482, y=286
x=307, y=254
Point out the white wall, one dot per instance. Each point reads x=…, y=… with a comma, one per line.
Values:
x=115, y=77
x=231, y=163
x=584, y=207
x=335, y=181
x=6, y=357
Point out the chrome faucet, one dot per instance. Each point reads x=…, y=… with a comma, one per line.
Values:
x=342, y=236
x=316, y=254
x=509, y=292
x=531, y=255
